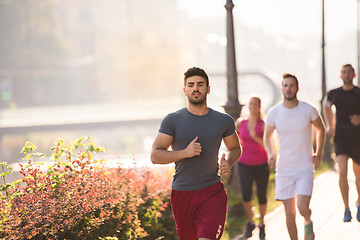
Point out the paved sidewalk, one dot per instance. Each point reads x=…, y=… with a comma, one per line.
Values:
x=327, y=213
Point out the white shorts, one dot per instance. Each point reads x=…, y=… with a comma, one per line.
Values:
x=287, y=187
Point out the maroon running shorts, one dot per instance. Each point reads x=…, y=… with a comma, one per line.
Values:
x=200, y=213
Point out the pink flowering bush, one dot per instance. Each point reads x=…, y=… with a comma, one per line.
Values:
x=78, y=197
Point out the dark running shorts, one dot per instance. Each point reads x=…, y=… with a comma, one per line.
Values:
x=200, y=213
x=347, y=142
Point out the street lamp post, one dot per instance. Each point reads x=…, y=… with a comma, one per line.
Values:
x=358, y=43
x=323, y=79
x=232, y=106
x=327, y=147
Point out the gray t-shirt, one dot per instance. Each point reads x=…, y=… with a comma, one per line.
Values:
x=199, y=171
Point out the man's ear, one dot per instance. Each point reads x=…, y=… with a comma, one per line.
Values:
x=208, y=91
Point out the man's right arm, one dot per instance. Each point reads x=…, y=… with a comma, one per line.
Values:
x=269, y=144
x=329, y=118
x=161, y=155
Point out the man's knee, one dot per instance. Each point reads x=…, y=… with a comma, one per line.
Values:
x=304, y=210
x=343, y=170
x=303, y=204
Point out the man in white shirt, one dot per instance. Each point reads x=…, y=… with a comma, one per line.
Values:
x=293, y=121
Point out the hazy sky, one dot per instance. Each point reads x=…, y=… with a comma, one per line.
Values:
x=283, y=17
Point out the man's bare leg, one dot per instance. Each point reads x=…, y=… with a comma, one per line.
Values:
x=342, y=161
x=290, y=212
x=356, y=168
x=303, y=203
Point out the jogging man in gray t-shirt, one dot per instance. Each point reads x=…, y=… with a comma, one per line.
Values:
x=195, y=133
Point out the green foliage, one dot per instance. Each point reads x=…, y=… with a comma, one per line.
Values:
x=7, y=193
x=80, y=197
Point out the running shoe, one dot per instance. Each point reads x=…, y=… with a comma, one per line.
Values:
x=249, y=228
x=261, y=231
x=309, y=232
x=358, y=211
x=347, y=215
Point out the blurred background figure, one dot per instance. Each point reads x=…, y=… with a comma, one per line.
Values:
x=253, y=166
x=344, y=126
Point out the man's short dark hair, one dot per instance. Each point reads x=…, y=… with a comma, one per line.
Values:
x=195, y=71
x=348, y=65
x=289, y=75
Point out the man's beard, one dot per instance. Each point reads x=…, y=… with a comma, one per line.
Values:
x=197, y=101
x=290, y=97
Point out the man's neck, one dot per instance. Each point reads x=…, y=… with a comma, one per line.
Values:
x=348, y=86
x=198, y=109
x=290, y=103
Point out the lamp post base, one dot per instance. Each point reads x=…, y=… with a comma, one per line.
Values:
x=233, y=109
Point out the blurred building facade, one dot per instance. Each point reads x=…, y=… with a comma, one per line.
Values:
x=89, y=51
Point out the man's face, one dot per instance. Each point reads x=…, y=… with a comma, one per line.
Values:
x=289, y=88
x=196, y=90
x=347, y=74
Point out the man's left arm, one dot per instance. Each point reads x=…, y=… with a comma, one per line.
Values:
x=234, y=151
x=320, y=139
